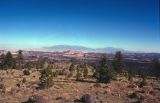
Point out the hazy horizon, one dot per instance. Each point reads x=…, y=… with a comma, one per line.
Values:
x=128, y=24
x=50, y=49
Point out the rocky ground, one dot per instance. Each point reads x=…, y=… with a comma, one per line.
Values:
x=71, y=91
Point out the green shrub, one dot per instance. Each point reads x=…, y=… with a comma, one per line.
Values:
x=62, y=72
x=118, y=63
x=46, y=79
x=78, y=75
x=24, y=80
x=69, y=75
x=85, y=72
x=143, y=83
x=18, y=85
x=26, y=72
x=55, y=74
x=71, y=68
x=95, y=75
x=2, y=86
x=130, y=78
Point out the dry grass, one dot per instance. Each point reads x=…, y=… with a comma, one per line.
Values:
x=68, y=90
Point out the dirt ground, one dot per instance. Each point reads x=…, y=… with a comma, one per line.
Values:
x=69, y=90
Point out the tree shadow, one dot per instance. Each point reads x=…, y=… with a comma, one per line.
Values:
x=87, y=81
x=75, y=81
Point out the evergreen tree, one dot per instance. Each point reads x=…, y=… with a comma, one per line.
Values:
x=26, y=72
x=104, y=71
x=46, y=79
x=2, y=57
x=20, y=59
x=130, y=75
x=71, y=68
x=9, y=61
x=156, y=68
x=28, y=65
x=118, y=62
x=40, y=64
x=78, y=75
x=85, y=72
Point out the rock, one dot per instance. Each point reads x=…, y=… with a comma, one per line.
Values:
x=13, y=91
x=59, y=98
x=8, y=89
x=132, y=86
x=66, y=96
x=86, y=99
x=40, y=99
x=152, y=93
x=147, y=89
x=77, y=97
x=76, y=90
x=97, y=85
x=106, y=87
x=107, y=91
x=56, y=87
x=18, y=85
x=36, y=99
x=157, y=87
x=134, y=95
x=35, y=86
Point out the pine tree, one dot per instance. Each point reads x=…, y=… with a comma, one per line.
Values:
x=130, y=75
x=85, y=72
x=40, y=64
x=156, y=68
x=46, y=79
x=2, y=57
x=71, y=68
x=20, y=59
x=28, y=65
x=9, y=61
x=118, y=62
x=104, y=71
x=78, y=75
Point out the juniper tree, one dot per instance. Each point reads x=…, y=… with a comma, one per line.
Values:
x=85, y=72
x=130, y=75
x=118, y=64
x=46, y=79
x=71, y=67
x=28, y=65
x=78, y=75
x=40, y=64
x=20, y=59
x=26, y=72
x=2, y=57
x=104, y=71
x=71, y=70
x=156, y=68
x=9, y=61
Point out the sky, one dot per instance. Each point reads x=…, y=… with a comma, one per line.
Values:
x=128, y=24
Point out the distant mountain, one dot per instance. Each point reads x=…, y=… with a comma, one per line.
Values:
x=82, y=48
x=110, y=50
x=68, y=47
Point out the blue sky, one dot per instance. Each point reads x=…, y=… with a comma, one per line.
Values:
x=129, y=24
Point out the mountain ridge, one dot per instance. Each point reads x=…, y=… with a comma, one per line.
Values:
x=83, y=48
